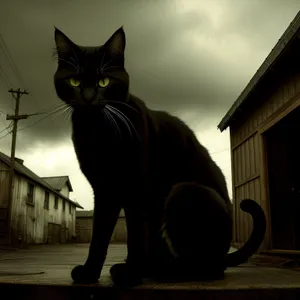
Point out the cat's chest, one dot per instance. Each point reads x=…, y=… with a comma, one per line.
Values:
x=105, y=150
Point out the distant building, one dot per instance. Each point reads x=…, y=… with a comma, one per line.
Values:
x=264, y=127
x=41, y=210
x=84, y=227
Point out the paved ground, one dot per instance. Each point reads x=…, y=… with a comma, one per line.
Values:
x=51, y=265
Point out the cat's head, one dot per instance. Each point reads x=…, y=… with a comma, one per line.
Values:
x=91, y=76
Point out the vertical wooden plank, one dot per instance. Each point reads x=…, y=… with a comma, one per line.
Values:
x=270, y=106
x=234, y=166
x=246, y=228
x=291, y=86
x=264, y=190
x=273, y=102
x=297, y=82
x=256, y=153
x=244, y=221
x=238, y=166
x=238, y=213
x=259, y=117
x=243, y=162
x=251, y=156
x=233, y=176
x=247, y=161
x=254, y=121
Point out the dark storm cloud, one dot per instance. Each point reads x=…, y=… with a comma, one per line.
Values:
x=184, y=60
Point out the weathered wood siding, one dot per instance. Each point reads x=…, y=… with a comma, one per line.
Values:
x=4, y=216
x=247, y=147
x=65, y=191
x=4, y=181
x=30, y=222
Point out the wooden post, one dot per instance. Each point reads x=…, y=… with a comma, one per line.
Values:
x=16, y=117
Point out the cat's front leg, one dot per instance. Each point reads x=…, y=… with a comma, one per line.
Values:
x=132, y=272
x=107, y=207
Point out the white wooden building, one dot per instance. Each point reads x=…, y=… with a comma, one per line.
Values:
x=41, y=210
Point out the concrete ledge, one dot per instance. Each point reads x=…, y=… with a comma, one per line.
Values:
x=43, y=272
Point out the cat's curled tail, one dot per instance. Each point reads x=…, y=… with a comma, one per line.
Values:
x=194, y=210
x=256, y=238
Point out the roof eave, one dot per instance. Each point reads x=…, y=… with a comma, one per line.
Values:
x=45, y=186
x=288, y=36
x=69, y=184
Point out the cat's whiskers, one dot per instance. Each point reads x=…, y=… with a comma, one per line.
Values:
x=54, y=106
x=123, y=118
x=55, y=110
x=76, y=57
x=70, y=63
x=105, y=69
x=61, y=111
x=123, y=103
x=99, y=69
x=75, y=63
x=57, y=107
x=102, y=67
x=68, y=113
x=112, y=121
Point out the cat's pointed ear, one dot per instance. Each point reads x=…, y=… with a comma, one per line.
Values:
x=64, y=45
x=117, y=41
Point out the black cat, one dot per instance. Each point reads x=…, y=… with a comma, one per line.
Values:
x=178, y=212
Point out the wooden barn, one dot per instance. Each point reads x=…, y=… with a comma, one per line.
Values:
x=264, y=127
x=41, y=210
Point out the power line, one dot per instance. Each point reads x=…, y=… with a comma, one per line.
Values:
x=2, y=137
x=5, y=127
x=11, y=62
x=14, y=68
x=1, y=111
x=5, y=78
x=32, y=124
x=28, y=115
x=43, y=111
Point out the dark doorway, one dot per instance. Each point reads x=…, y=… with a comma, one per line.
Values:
x=283, y=157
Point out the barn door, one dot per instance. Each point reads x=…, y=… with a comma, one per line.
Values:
x=283, y=156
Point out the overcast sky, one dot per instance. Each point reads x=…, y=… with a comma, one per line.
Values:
x=191, y=57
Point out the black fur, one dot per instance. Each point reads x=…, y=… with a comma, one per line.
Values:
x=178, y=212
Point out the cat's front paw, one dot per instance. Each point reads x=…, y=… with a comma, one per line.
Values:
x=84, y=274
x=124, y=276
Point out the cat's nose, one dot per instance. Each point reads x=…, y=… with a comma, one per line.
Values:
x=89, y=95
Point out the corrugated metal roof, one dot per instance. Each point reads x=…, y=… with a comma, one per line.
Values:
x=291, y=33
x=21, y=169
x=58, y=182
x=84, y=213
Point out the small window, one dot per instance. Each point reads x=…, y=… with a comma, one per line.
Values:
x=70, y=208
x=30, y=189
x=64, y=204
x=46, y=201
x=56, y=202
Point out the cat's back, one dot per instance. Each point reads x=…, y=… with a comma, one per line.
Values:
x=178, y=154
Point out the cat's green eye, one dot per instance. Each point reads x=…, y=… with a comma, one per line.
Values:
x=74, y=81
x=104, y=82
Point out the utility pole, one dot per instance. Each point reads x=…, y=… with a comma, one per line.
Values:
x=17, y=94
